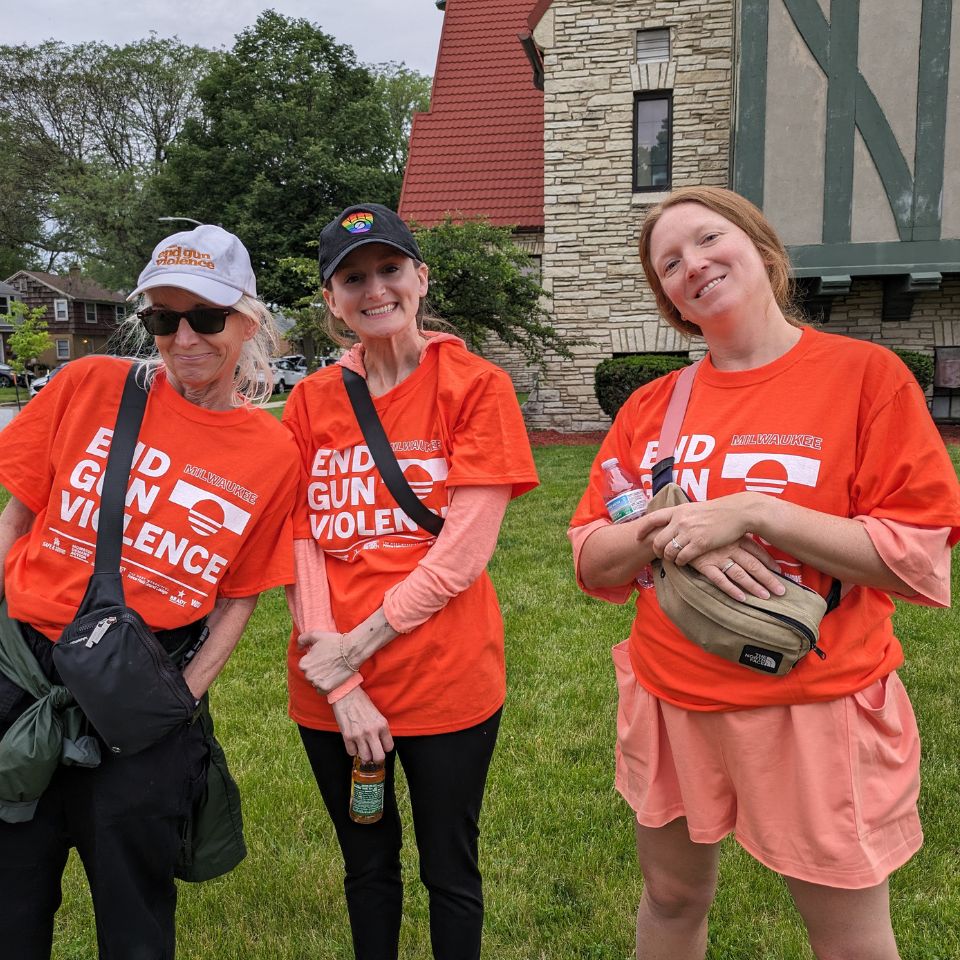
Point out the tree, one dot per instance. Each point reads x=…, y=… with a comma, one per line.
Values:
x=291, y=131
x=29, y=338
x=481, y=283
x=85, y=130
x=403, y=93
x=484, y=284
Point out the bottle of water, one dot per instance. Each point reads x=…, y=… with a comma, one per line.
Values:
x=625, y=501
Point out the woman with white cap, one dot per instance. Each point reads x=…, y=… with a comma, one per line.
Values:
x=207, y=528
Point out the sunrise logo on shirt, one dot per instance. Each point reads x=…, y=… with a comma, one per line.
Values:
x=423, y=474
x=360, y=222
x=207, y=513
x=775, y=471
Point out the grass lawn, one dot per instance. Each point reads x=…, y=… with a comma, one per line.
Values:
x=557, y=845
x=277, y=404
x=9, y=395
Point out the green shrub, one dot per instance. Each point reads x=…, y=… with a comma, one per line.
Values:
x=617, y=378
x=920, y=364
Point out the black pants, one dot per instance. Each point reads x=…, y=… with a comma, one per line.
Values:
x=446, y=774
x=125, y=819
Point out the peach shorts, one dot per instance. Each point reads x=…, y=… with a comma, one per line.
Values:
x=824, y=792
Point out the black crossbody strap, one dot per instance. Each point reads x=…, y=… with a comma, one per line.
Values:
x=133, y=402
x=383, y=455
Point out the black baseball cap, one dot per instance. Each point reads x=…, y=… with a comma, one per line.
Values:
x=359, y=225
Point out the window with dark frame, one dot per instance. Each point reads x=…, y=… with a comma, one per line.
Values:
x=63, y=349
x=652, y=118
x=945, y=404
x=90, y=312
x=653, y=46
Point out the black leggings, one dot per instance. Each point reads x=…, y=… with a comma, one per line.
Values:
x=446, y=774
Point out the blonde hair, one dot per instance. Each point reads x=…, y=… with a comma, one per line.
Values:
x=743, y=214
x=253, y=378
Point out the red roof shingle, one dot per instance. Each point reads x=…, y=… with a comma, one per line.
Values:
x=479, y=149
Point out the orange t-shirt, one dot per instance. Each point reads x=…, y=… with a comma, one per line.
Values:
x=207, y=510
x=835, y=425
x=453, y=422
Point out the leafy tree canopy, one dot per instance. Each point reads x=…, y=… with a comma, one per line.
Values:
x=29, y=338
x=85, y=130
x=484, y=284
x=269, y=139
x=290, y=131
x=402, y=92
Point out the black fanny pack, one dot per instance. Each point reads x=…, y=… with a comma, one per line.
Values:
x=126, y=683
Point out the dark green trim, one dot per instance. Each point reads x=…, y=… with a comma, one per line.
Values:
x=935, y=26
x=914, y=198
x=871, y=259
x=877, y=134
x=841, y=129
x=813, y=28
x=887, y=157
x=751, y=125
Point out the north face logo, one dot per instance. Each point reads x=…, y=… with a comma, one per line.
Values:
x=760, y=659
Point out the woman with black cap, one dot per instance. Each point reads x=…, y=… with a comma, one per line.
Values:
x=206, y=529
x=403, y=655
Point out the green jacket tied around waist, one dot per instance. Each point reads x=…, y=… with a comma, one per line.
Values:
x=48, y=733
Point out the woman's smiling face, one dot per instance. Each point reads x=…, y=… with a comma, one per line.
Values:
x=200, y=361
x=376, y=291
x=708, y=266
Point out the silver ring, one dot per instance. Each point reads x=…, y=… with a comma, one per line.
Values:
x=676, y=544
x=727, y=566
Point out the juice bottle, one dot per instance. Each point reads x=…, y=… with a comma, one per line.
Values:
x=366, y=790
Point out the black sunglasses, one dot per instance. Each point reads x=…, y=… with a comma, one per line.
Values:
x=161, y=322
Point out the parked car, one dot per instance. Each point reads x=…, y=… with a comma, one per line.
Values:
x=321, y=360
x=37, y=385
x=286, y=373
x=6, y=376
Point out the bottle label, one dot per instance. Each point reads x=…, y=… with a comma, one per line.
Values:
x=629, y=505
x=367, y=799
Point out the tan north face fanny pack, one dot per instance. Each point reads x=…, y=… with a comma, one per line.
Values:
x=766, y=635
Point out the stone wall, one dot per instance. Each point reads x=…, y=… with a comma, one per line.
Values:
x=524, y=375
x=592, y=216
x=934, y=320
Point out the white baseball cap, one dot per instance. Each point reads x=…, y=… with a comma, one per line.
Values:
x=207, y=261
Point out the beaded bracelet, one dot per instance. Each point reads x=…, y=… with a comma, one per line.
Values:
x=343, y=656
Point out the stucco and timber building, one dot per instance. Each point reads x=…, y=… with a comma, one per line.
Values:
x=837, y=117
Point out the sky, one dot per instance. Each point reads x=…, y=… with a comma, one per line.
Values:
x=403, y=31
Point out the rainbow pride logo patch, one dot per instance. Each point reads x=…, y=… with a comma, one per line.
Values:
x=358, y=222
